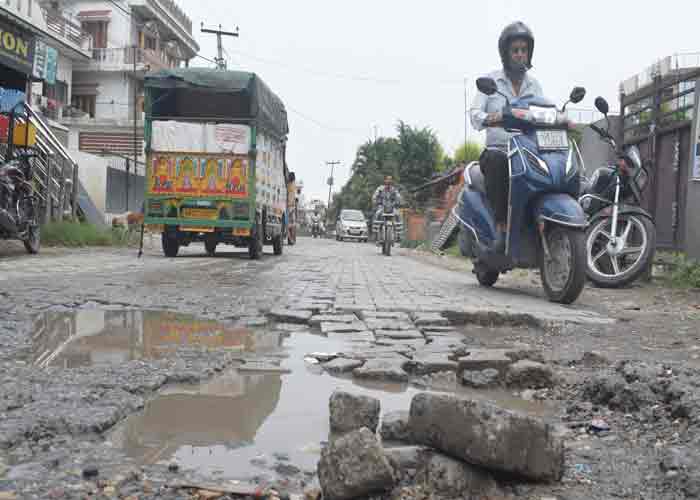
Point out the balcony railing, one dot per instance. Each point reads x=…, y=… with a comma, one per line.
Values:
x=67, y=30
x=125, y=58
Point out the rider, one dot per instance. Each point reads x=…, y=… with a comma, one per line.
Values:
x=378, y=196
x=316, y=219
x=515, y=45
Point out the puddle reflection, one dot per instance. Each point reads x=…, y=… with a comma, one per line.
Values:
x=95, y=336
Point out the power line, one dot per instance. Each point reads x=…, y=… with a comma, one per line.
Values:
x=205, y=58
x=126, y=12
x=321, y=124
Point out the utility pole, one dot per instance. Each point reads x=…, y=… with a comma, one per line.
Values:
x=136, y=149
x=220, y=61
x=330, y=186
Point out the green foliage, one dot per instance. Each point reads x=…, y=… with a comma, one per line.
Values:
x=76, y=234
x=411, y=158
x=453, y=251
x=468, y=152
x=686, y=272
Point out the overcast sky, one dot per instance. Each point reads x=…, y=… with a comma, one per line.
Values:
x=343, y=68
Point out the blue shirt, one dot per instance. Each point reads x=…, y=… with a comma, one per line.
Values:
x=497, y=137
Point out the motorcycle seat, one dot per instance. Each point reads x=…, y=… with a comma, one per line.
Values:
x=475, y=178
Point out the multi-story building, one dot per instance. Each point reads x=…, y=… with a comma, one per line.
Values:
x=129, y=38
x=38, y=50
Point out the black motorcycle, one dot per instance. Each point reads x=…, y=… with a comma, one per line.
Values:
x=19, y=211
x=621, y=236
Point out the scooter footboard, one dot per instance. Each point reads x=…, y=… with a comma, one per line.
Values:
x=474, y=214
x=561, y=209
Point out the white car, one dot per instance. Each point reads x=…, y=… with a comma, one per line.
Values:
x=351, y=224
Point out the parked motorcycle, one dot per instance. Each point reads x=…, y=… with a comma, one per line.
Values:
x=19, y=211
x=546, y=225
x=621, y=236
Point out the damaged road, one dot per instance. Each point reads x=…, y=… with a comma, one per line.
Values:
x=99, y=352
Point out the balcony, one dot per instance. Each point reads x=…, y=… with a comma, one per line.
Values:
x=127, y=59
x=175, y=23
x=66, y=30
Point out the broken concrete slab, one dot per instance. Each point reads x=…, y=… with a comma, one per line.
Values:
x=399, y=334
x=291, y=315
x=342, y=365
x=351, y=412
x=395, y=427
x=429, y=319
x=329, y=327
x=416, y=344
x=426, y=363
x=481, y=359
x=388, y=324
x=364, y=336
x=354, y=465
x=332, y=318
x=450, y=478
x=382, y=369
x=439, y=329
x=366, y=314
x=376, y=352
x=528, y=374
x=484, y=434
x=483, y=379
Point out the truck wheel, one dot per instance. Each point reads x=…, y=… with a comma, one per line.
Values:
x=277, y=245
x=171, y=245
x=210, y=243
x=255, y=245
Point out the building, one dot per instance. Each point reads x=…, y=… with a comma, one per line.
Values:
x=38, y=50
x=129, y=38
x=659, y=116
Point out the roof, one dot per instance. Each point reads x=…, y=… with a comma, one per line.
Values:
x=253, y=98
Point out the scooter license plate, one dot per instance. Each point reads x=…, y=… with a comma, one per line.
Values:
x=552, y=139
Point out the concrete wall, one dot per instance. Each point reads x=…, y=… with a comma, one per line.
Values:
x=115, y=91
x=116, y=191
x=692, y=207
x=92, y=171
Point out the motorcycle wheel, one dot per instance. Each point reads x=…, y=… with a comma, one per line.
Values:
x=277, y=245
x=33, y=241
x=388, y=241
x=564, y=271
x=625, y=264
x=486, y=277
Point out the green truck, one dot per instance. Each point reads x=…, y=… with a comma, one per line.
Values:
x=215, y=153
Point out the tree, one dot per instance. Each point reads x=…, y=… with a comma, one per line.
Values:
x=468, y=152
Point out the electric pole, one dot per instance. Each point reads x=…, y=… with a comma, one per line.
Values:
x=220, y=61
x=330, y=185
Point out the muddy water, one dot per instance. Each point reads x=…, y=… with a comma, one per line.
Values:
x=95, y=336
x=236, y=424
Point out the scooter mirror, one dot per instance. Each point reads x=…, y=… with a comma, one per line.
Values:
x=486, y=85
x=577, y=95
x=602, y=105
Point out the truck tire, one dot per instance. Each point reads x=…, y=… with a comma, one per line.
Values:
x=255, y=245
x=210, y=243
x=170, y=243
x=277, y=245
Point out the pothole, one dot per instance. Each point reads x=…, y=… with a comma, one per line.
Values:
x=88, y=337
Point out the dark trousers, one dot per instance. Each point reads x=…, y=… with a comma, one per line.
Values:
x=494, y=167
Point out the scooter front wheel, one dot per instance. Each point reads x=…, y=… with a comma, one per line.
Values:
x=564, y=269
x=486, y=278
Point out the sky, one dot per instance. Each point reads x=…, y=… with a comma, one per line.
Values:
x=349, y=70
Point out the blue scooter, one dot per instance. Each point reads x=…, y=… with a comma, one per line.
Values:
x=546, y=225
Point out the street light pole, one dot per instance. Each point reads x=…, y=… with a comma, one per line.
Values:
x=330, y=186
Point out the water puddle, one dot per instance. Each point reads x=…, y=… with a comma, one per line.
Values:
x=241, y=424
x=90, y=337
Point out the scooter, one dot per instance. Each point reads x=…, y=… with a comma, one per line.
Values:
x=621, y=238
x=546, y=225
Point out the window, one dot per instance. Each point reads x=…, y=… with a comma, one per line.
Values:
x=57, y=92
x=150, y=43
x=98, y=30
x=85, y=103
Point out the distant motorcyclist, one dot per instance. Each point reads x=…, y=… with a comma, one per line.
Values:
x=316, y=222
x=387, y=192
